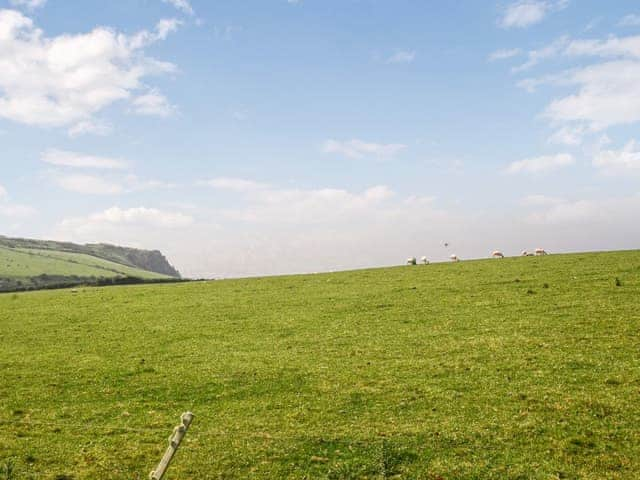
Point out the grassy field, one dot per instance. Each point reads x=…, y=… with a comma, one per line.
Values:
x=24, y=265
x=518, y=368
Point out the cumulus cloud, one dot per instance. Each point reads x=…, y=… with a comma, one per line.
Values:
x=529, y=12
x=543, y=164
x=619, y=162
x=570, y=136
x=90, y=127
x=608, y=95
x=605, y=94
x=91, y=184
x=65, y=80
x=153, y=103
x=504, y=54
x=234, y=184
x=28, y=4
x=63, y=158
x=360, y=149
x=113, y=182
x=303, y=207
x=613, y=48
x=129, y=225
x=402, y=56
x=183, y=5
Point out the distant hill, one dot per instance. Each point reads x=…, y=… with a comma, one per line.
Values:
x=27, y=264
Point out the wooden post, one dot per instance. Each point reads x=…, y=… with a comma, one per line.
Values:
x=174, y=442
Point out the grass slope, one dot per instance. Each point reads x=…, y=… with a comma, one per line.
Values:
x=516, y=368
x=24, y=265
x=146, y=260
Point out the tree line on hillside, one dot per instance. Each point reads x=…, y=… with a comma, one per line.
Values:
x=52, y=282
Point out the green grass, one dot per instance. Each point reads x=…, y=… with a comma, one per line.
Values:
x=106, y=267
x=517, y=368
x=18, y=264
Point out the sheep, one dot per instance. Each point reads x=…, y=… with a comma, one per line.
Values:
x=524, y=253
x=497, y=254
x=412, y=261
x=425, y=260
x=540, y=252
x=454, y=258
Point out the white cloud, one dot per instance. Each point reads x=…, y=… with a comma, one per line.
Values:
x=153, y=103
x=166, y=26
x=90, y=127
x=529, y=12
x=612, y=47
x=62, y=158
x=536, y=56
x=402, y=56
x=609, y=94
x=604, y=95
x=359, y=149
x=108, y=225
x=631, y=20
x=28, y=4
x=504, y=54
x=3, y=192
x=619, y=162
x=523, y=14
x=105, y=185
x=570, y=136
x=303, y=207
x=182, y=5
x=66, y=79
x=544, y=164
x=234, y=184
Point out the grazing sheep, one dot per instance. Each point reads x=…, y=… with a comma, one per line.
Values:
x=497, y=254
x=540, y=252
x=412, y=261
x=425, y=260
x=524, y=253
x=454, y=258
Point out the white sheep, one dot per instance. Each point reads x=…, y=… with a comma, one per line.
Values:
x=454, y=258
x=540, y=252
x=425, y=260
x=412, y=261
x=497, y=254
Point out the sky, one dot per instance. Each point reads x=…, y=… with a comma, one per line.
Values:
x=263, y=137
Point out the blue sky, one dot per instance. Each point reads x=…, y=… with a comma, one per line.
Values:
x=265, y=137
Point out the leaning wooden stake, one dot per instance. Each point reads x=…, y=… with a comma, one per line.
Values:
x=174, y=442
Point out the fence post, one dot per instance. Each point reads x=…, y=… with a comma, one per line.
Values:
x=174, y=442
